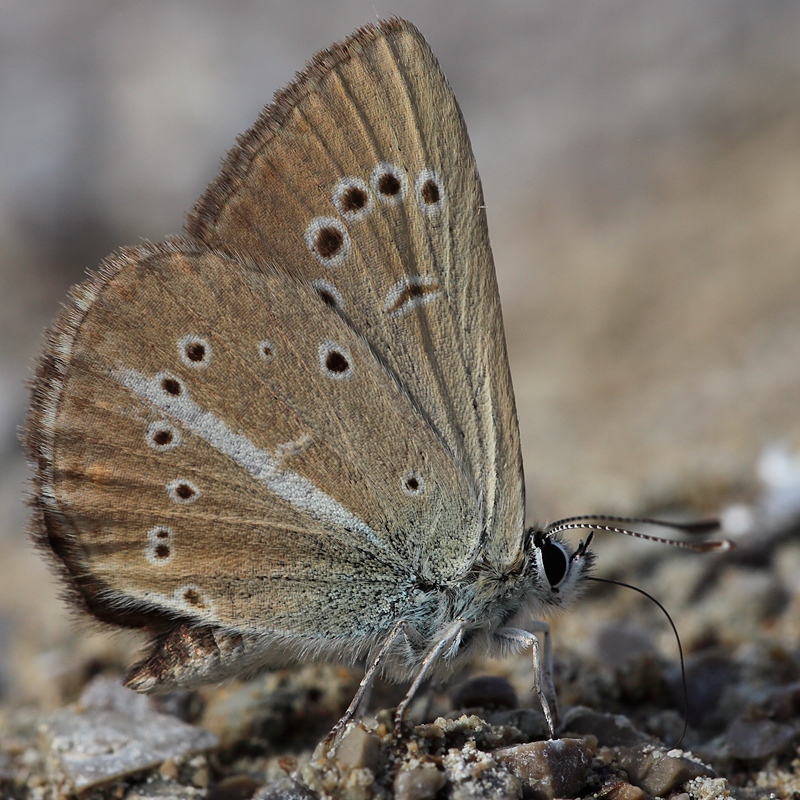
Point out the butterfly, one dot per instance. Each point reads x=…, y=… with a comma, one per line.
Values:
x=291, y=434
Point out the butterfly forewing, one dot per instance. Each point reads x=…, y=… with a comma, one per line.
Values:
x=363, y=184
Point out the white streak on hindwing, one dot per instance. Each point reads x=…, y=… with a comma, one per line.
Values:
x=262, y=465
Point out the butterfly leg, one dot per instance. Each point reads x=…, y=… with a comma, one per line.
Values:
x=538, y=626
x=450, y=637
x=542, y=673
x=365, y=686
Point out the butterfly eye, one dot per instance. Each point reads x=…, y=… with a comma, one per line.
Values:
x=554, y=559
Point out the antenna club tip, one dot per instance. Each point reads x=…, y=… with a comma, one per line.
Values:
x=720, y=546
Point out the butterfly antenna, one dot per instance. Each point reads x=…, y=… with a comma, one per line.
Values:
x=677, y=639
x=595, y=522
x=697, y=527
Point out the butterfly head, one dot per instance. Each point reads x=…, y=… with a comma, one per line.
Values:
x=559, y=570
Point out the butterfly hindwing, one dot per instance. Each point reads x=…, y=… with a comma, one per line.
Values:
x=207, y=456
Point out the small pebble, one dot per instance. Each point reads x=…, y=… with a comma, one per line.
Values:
x=784, y=702
x=421, y=783
x=530, y=723
x=105, y=693
x=486, y=691
x=473, y=773
x=169, y=769
x=200, y=777
x=430, y=730
x=550, y=769
x=712, y=789
x=657, y=772
x=709, y=675
x=618, y=789
x=611, y=730
x=89, y=747
x=359, y=749
x=758, y=739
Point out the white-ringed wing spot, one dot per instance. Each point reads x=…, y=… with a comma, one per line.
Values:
x=170, y=387
x=160, y=547
x=182, y=491
x=352, y=198
x=430, y=192
x=328, y=293
x=334, y=361
x=191, y=598
x=410, y=293
x=328, y=240
x=266, y=350
x=389, y=183
x=162, y=436
x=194, y=352
x=187, y=600
x=413, y=484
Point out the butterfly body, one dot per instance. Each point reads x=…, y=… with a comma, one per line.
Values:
x=291, y=434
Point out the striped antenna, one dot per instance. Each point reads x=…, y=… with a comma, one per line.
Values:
x=595, y=522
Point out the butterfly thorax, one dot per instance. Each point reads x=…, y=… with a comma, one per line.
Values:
x=547, y=577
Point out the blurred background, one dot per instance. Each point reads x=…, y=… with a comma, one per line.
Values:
x=641, y=165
